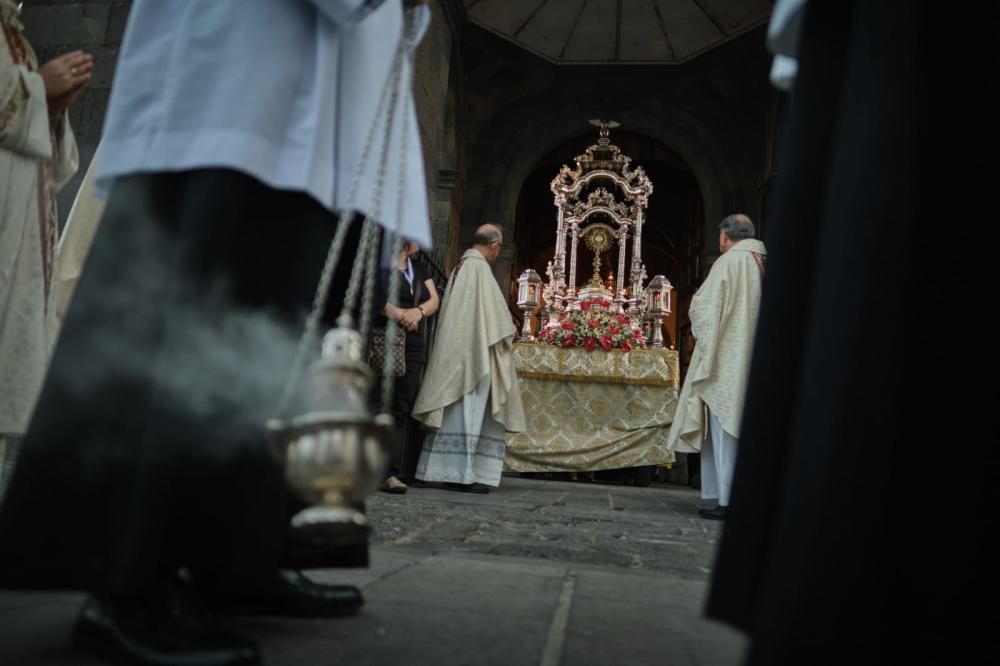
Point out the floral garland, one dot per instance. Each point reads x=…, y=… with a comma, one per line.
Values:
x=590, y=327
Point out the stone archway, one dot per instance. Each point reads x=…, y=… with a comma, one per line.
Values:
x=511, y=146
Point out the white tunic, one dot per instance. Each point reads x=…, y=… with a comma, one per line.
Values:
x=284, y=90
x=34, y=163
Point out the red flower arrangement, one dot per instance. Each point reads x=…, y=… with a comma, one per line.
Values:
x=592, y=326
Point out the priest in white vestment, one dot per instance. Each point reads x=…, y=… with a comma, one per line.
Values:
x=723, y=316
x=38, y=155
x=470, y=395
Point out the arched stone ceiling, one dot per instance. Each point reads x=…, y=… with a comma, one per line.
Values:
x=618, y=31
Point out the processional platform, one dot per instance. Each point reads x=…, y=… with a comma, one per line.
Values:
x=599, y=388
x=591, y=411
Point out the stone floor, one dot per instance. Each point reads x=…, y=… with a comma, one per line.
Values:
x=537, y=572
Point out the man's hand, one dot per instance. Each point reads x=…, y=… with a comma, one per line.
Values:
x=66, y=73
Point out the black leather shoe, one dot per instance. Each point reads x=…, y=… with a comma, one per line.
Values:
x=290, y=594
x=480, y=488
x=718, y=513
x=159, y=633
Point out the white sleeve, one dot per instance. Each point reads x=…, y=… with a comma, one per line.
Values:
x=24, y=110
x=783, y=41
x=783, y=30
x=422, y=21
x=783, y=71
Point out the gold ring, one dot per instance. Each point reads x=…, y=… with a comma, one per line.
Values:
x=72, y=70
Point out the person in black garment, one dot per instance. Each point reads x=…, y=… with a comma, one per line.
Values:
x=847, y=542
x=416, y=301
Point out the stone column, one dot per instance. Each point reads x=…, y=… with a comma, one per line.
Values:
x=445, y=217
x=504, y=264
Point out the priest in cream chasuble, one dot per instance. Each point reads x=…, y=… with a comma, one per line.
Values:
x=38, y=155
x=723, y=316
x=470, y=395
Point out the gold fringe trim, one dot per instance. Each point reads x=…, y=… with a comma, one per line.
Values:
x=596, y=379
x=568, y=360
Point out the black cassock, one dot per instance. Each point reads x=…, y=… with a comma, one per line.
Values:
x=864, y=486
x=147, y=448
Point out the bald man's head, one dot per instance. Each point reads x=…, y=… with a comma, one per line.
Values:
x=486, y=234
x=733, y=229
x=488, y=239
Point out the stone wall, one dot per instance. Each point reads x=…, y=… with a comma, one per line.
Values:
x=435, y=93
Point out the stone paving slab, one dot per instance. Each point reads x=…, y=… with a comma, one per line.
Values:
x=451, y=583
x=537, y=573
x=388, y=635
x=615, y=616
x=654, y=528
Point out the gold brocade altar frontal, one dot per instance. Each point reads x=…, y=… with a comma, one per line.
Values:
x=589, y=411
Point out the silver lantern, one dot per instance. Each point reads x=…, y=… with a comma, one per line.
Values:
x=658, y=306
x=529, y=289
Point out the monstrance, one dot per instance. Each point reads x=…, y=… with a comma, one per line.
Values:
x=598, y=238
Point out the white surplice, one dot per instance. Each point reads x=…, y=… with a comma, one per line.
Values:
x=283, y=90
x=469, y=447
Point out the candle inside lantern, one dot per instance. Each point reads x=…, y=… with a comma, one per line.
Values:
x=527, y=299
